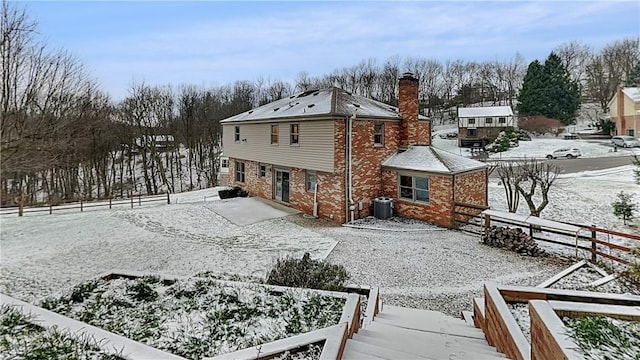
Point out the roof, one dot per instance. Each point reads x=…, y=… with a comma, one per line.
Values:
x=320, y=103
x=430, y=159
x=485, y=111
x=633, y=93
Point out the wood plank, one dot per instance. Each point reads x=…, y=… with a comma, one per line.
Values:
x=603, y=280
x=554, y=279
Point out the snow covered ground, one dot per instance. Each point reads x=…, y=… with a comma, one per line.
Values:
x=538, y=147
x=41, y=254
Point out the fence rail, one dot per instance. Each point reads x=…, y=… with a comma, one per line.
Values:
x=615, y=251
x=132, y=201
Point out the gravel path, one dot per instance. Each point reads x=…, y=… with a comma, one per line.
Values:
x=436, y=270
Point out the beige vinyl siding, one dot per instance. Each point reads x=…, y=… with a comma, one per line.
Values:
x=481, y=122
x=314, y=151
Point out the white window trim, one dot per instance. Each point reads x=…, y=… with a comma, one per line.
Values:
x=291, y=143
x=306, y=180
x=236, y=133
x=381, y=143
x=413, y=189
x=271, y=134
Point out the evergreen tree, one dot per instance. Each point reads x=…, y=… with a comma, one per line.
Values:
x=624, y=207
x=633, y=77
x=548, y=90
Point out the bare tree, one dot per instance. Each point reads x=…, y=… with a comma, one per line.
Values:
x=510, y=176
x=536, y=175
x=575, y=56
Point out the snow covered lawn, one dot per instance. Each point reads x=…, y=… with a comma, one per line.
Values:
x=22, y=338
x=43, y=254
x=196, y=317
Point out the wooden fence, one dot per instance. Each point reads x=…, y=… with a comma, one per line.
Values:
x=601, y=243
x=132, y=201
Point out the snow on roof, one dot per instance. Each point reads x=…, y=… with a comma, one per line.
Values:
x=430, y=159
x=318, y=103
x=485, y=111
x=633, y=93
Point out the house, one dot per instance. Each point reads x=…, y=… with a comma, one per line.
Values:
x=478, y=126
x=331, y=154
x=624, y=108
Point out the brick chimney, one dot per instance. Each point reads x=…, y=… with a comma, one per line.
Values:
x=412, y=132
x=620, y=109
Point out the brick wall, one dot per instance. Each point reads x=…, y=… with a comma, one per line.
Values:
x=412, y=131
x=367, y=158
x=471, y=188
x=439, y=210
x=490, y=133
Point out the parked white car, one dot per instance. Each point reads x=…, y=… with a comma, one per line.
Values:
x=625, y=141
x=569, y=153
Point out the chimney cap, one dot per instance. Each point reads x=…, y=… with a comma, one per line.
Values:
x=408, y=75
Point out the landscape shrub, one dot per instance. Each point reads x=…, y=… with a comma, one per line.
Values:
x=540, y=125
x=307, y=273
x=236, y=191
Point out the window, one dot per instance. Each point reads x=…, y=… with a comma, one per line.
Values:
x=631, y=132
x=472, y=132
x=239, y=171
x=311, y=180
x=224, y=163
x=488, y=120
x=378, y=134
x=237, y=133
x=472, y=121
x=262, y=170
x=274, y=134
x=502, y=120
x=294, y=138
x=414, y=188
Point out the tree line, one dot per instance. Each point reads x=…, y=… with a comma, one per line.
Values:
x=62, y=138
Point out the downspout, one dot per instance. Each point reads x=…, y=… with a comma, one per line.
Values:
x=350, y=160
x=453, y=199
x=315, y=200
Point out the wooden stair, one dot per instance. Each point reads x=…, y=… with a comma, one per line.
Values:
x=404, y=333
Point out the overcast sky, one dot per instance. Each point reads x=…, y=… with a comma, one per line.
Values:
x=215, y=42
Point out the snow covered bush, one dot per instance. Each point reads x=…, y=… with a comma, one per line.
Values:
x=307, y=273
x=231, y=193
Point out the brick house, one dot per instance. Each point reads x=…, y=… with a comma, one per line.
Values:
x=478, y=126
x=624, y=108
x=331, y=153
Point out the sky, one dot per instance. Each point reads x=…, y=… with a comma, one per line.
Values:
x=211, y=43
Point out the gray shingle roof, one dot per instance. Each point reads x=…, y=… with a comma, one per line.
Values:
x=319, y=103
x=430, y=159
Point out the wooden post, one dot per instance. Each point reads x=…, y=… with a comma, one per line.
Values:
x=20, y=208
x=131, y=201
x=487, y=223
x=109, y=202
x=594, y=254
x=531, y=230
x=50, y=209
x=168, y=198
x=140, y=200
x=80, y=205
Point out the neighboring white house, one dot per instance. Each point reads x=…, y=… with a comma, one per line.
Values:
x=478, y=126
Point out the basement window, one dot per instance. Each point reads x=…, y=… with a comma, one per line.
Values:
x=472, y=132
x=414, y=188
